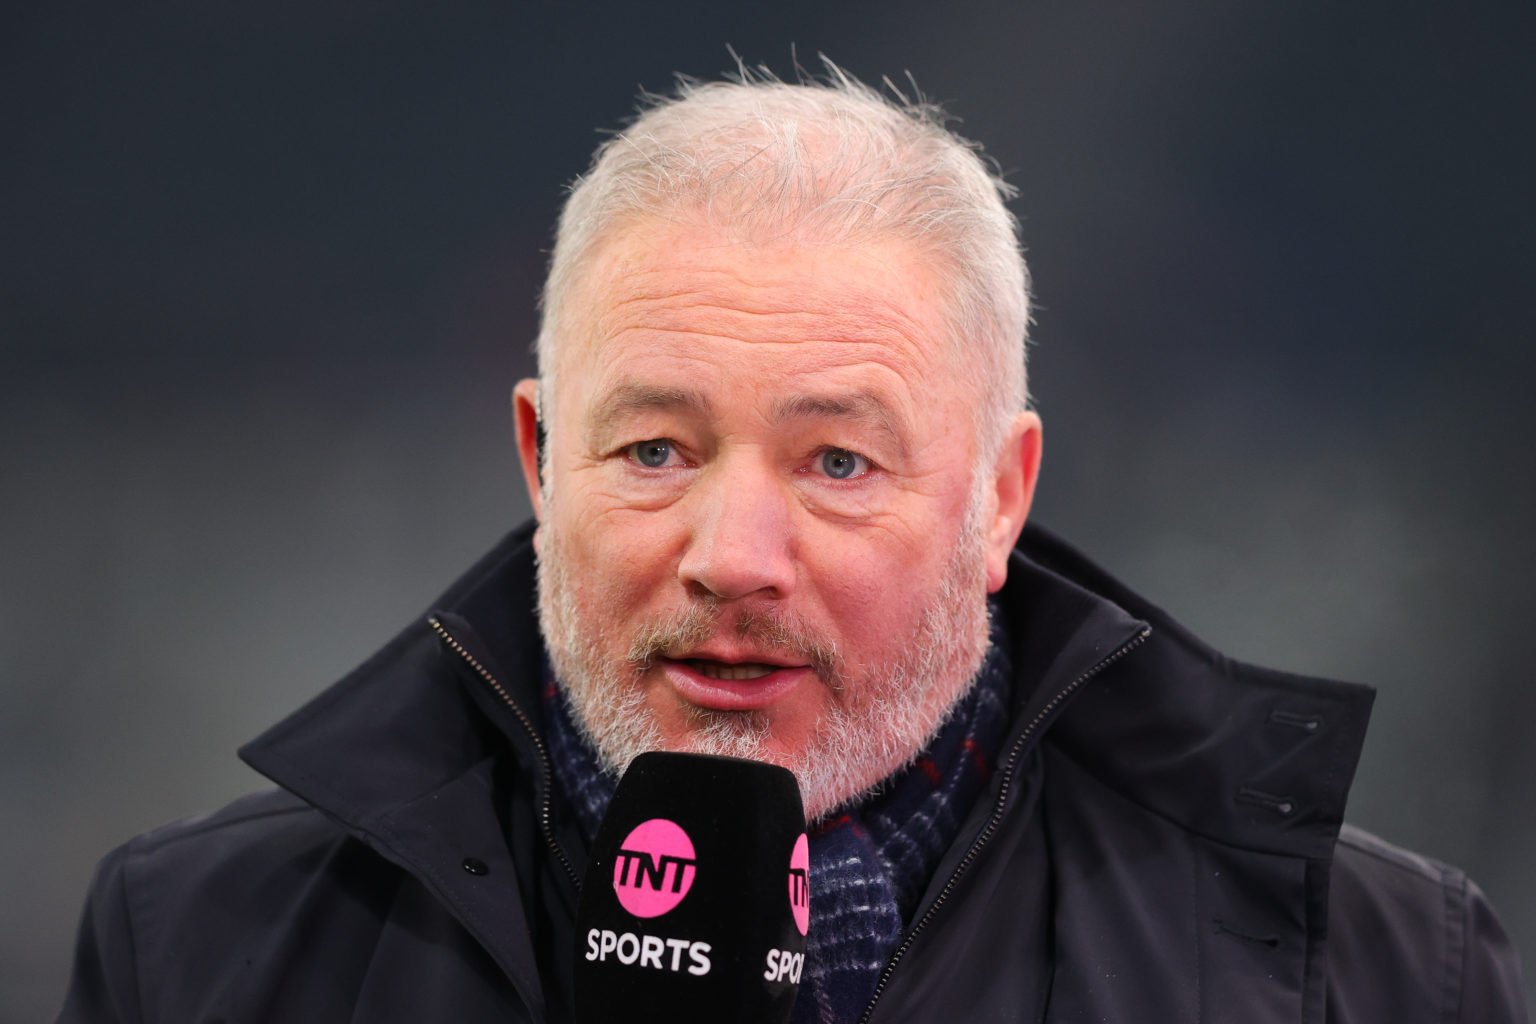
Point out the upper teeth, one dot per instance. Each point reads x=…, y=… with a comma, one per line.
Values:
x=719, y=670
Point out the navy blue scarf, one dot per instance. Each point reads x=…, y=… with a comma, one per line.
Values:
x=870, y=864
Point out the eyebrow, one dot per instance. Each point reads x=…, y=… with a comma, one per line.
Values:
x=632, y=397
x=862, y=407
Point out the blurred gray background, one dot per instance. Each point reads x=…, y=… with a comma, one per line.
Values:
x=267, y=273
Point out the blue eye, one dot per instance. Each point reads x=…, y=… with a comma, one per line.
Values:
x=841, y=464
x=653, y=454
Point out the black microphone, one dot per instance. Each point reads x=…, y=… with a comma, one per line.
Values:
x=697, y=897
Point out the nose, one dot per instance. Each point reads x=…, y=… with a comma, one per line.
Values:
x=741, y=541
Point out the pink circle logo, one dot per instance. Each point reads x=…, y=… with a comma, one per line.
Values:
x=800, y=884
x=654, y=868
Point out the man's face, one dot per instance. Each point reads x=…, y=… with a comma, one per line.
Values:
x=762, y=533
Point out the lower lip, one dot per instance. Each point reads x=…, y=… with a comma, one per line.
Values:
x=732, y=694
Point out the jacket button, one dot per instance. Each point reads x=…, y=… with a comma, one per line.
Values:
x=476, y=866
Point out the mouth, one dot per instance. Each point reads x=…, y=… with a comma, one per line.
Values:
x=724, y=670
x=732, y=685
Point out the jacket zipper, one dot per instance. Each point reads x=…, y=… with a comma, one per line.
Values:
x=545, y=772
x=985, y=836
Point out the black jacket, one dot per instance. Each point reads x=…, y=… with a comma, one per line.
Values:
x=1160, y=843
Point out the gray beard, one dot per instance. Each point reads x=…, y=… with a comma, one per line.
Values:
x=878, y=722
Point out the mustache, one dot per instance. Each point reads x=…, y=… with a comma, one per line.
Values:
x=770, y=631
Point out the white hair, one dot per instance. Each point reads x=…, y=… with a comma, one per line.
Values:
x=829, y=160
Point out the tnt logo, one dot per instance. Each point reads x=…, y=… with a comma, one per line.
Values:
x=800, y=884
x=654, y=868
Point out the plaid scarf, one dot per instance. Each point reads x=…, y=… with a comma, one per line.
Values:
x=869, y=864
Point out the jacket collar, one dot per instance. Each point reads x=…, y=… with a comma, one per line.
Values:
x=1244, y=755
x=400, y=752
x=400, y=726
x=1247, y=756
x=404, y=757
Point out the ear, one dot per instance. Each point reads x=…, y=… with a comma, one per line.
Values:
x=525, y=418
x=1017, y=469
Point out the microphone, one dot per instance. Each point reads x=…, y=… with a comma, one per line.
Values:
x=696, y=900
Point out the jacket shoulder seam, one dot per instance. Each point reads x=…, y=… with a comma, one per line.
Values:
x=1454, y=885
x=138, y=856
x=169, y=835
x=1426, y=869
x=131, y=929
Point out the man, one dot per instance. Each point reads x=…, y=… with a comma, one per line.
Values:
x=781, y=464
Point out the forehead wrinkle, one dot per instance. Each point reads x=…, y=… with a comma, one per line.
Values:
x=780, y=309
x=827, y=342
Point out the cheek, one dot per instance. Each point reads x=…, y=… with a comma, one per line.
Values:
x=873, y=594
x=618, y=564
x=878, y=584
